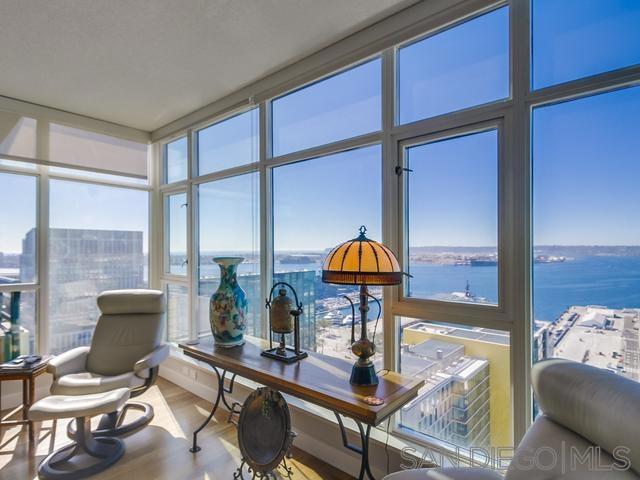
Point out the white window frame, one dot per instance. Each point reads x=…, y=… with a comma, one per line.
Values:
x=44, y=116
x=512, y=115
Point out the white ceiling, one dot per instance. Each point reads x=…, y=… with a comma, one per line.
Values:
x=145, y=63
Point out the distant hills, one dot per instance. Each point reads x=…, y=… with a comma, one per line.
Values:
x=551, y=250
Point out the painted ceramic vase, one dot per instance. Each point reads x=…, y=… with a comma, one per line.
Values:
x=228, y=305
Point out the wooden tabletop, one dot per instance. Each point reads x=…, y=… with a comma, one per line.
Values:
x=22, y=370
x=319, y=379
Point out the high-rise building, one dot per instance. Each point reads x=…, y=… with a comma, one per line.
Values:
x=83, y=263
x=467, y=393
x=454, y=403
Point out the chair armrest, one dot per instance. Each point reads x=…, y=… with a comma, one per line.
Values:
x=152, y=359
x=72, y=361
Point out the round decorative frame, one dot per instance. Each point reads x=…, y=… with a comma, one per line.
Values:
x=264, y=430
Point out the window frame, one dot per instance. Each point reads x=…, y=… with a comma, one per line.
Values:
x=474, y=14
x=196, y=129
x=41, y=170
x=166, y=226
x=490, y=313
x=309, y=152
x=512, y=115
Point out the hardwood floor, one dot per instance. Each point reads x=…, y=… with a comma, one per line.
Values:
x=158, y=451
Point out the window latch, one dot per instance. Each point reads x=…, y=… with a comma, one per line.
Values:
x=400, y=169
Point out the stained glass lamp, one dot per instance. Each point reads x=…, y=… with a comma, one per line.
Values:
x=363, y=262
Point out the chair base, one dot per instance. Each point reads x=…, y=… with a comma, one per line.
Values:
x=112, y=424
x=59, y=465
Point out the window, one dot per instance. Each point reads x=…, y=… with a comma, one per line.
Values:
x=176, y=156
x=98, y=177
x=230, y=143
x=586, y=235
x=18, y=262
x=573, y=39
x=78, y=148
x=458, y=210
x=18, y=235
x=176, y=260
x=17, y=307
x=466, y=400
x=461, y=67
x=317, y=205
x=97, y=241
x=342, y=106
x=452, y=218
x=17, y=135
x=229, y=226
x=177, y=297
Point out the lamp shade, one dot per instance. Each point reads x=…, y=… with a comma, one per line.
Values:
x=361, y=261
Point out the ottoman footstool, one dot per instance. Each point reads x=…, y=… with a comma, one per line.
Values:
x=65, y=463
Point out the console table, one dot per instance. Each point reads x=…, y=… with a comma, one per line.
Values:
x=318, y=379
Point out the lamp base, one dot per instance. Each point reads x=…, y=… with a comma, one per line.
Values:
x=363, y=375
x=288, y=355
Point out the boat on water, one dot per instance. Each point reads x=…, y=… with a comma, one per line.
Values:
x=466, y=296
x=347, y=320
x=334, y=316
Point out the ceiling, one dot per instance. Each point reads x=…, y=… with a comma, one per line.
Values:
x=145, y=63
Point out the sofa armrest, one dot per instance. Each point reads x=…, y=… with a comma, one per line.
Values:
x=72, y=361
x=152, y=359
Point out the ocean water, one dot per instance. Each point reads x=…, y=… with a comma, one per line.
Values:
x=612, y=281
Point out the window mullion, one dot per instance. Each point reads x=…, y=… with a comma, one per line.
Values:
x=390, y=225
x=42, y=261
x=517, y=134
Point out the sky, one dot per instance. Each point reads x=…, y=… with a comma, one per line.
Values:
x=586, y=153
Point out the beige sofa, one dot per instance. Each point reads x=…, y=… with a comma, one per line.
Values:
x=589, y=430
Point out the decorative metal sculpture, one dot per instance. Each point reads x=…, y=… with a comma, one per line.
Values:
x=264, y=435
x=284, y=318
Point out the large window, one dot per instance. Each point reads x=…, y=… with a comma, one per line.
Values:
x=97, y=241
x=18, y=228
x=18, y=261
x=339, y=107
x=577, y=38
x=63, y=238
x=77, y=148
x=17, y=135
x=230, y=143
x=586, y=236
x=229, y=226
x=318, y=204
x=452, y=218
x=462, y=67
x=425, y=143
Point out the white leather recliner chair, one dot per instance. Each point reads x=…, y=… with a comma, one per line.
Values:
x=589, y=430
x=126, y=351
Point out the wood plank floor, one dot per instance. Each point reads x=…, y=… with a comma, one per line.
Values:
x=158, y=451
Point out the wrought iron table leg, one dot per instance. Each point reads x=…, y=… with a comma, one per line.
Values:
x=362, y=450
x=220, y=396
